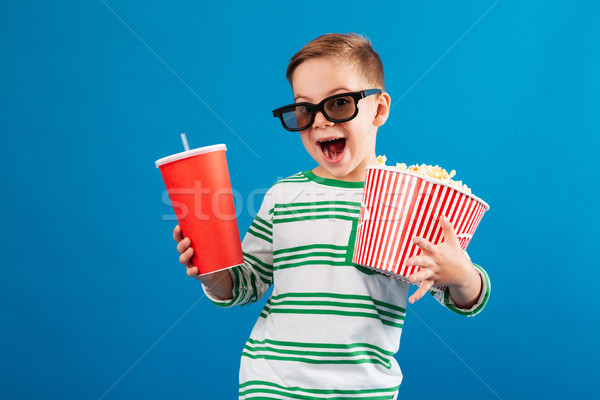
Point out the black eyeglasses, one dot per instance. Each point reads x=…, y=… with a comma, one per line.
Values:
x=341, y=107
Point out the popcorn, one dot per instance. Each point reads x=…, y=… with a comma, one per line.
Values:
x=435, y=172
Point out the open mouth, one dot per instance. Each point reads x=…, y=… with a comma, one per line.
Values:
x=332, y=149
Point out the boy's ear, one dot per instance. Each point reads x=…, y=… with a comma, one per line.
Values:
x=383, y=109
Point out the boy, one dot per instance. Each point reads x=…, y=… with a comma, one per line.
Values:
x=330, y=326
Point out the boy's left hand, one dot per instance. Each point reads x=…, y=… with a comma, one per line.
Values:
x=442, y=264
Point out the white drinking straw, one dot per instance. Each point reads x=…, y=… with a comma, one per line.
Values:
x=186, y=146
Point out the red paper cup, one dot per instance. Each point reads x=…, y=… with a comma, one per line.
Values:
x=398, y=205
x=199, y=188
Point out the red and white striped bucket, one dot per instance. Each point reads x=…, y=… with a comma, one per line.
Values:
x=398, y=205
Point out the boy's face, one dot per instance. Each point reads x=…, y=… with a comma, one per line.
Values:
x=354, y=149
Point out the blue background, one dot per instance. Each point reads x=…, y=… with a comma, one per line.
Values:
x=93, y=301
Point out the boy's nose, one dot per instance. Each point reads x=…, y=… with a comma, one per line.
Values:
x=321, y=121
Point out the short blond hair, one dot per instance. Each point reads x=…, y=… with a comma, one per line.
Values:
x=351, y=49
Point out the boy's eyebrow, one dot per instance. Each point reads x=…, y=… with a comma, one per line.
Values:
x=329, y=94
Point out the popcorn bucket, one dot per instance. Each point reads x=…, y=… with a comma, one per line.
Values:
x=200, y=192
x=398, y=205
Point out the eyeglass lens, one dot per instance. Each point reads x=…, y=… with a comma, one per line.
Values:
x=337, y=108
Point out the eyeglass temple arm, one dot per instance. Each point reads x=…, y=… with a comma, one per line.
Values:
x=369, y=92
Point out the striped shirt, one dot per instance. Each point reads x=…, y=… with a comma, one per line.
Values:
x=330, y=328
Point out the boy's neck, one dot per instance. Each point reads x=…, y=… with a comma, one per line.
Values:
x=357, y=175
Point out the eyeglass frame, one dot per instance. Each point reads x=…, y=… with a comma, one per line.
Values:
x=278, y=113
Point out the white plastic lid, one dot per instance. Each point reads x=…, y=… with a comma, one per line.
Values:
x=190, y=153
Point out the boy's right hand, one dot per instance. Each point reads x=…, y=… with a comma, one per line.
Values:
x=219, y=283
x=184, y=247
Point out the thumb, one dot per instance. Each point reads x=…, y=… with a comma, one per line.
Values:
x=448, y=230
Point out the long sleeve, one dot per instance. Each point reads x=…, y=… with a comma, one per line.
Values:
x=446, y=300
x=252, y=279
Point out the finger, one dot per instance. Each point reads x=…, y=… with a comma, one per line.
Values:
x=186, y=257
x=177, y=234
x=421, y=261
x=192, y=271
x=423, y=288
x=423, y=243
x=421, y=275
x=184, y=245
x=448, y=230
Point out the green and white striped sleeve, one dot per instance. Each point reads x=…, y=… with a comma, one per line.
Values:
x=252, y=279
x=446, y=300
